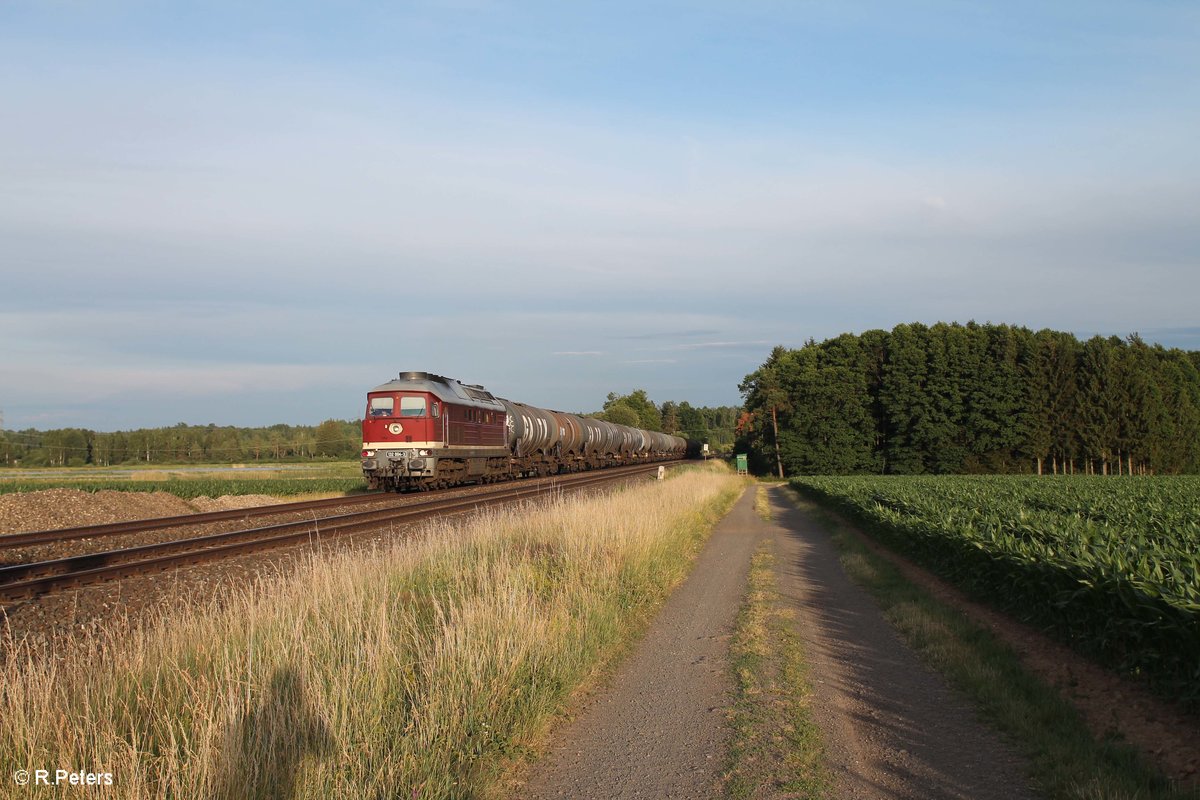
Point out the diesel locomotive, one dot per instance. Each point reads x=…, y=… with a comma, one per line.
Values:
x=426, y=431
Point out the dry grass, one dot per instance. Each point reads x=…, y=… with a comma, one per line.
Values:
x=417, y=673
x=762, y=503
x=776, y=748
x=151, y=475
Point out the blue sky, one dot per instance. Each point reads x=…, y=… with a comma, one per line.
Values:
x=211, y=212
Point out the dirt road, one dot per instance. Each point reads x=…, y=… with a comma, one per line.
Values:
x=659, y=730
x=891, y=728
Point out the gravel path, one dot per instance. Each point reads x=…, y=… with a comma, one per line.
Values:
x=891, y=727
x=659, y=730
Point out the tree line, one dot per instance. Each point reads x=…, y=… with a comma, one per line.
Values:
x=215, y=444
x=952, y=398
x=179, y=444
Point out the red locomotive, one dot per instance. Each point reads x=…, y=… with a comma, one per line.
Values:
x=427, y=431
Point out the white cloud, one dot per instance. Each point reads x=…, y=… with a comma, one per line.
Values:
x=712, y=345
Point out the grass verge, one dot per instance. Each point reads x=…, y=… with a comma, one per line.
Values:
x=1067, y=761
x=776, y=747
x=762, y=503
x=418, y=671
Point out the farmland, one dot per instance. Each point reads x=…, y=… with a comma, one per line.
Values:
x=191, y=481
x=1108, y=565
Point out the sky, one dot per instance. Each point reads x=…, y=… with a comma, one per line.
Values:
x=252, y=213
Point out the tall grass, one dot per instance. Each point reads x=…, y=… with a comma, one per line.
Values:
x=418, y=671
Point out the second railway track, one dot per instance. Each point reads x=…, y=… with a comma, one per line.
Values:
x=23, y=581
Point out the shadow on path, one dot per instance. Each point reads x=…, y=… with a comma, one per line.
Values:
x=892, y=726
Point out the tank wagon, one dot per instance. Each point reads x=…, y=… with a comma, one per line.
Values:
x=425, y=431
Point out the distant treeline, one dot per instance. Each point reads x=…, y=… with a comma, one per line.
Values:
x=209, y=444
x=181, y=444
x=953, y=398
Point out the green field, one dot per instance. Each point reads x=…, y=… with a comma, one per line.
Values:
x=1110, y=565
x=191, y=480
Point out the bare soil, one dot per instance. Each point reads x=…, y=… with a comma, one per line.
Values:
x=53, y=509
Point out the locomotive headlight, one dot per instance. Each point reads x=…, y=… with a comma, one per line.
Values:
x=368, y=454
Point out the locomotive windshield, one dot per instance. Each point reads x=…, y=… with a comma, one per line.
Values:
x=382, y=406
x=412, y=406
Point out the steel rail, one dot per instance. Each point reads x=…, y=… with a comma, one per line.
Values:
x=10, y=540
x=21, y=581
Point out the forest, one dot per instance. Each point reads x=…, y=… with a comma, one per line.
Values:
x=973, y=398
x=332, y=439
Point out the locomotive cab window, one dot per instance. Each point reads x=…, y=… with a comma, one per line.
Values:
x=382, y=406
x=412, y=406
x=437, y=411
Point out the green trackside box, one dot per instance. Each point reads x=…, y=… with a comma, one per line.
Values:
x=741, y=464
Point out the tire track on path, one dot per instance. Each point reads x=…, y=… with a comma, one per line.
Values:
x=892, y=727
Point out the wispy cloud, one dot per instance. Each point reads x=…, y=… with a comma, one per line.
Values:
x=731, y=345
x=669, y=334
x=706, y=345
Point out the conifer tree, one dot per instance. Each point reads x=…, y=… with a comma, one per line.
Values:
x=906, y=405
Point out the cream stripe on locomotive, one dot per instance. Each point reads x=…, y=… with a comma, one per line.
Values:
x=406, y=445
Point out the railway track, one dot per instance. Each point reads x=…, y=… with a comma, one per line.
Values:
x=13, y=540
x=20, y=582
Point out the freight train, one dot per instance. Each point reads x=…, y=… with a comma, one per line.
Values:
x=425, y=431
